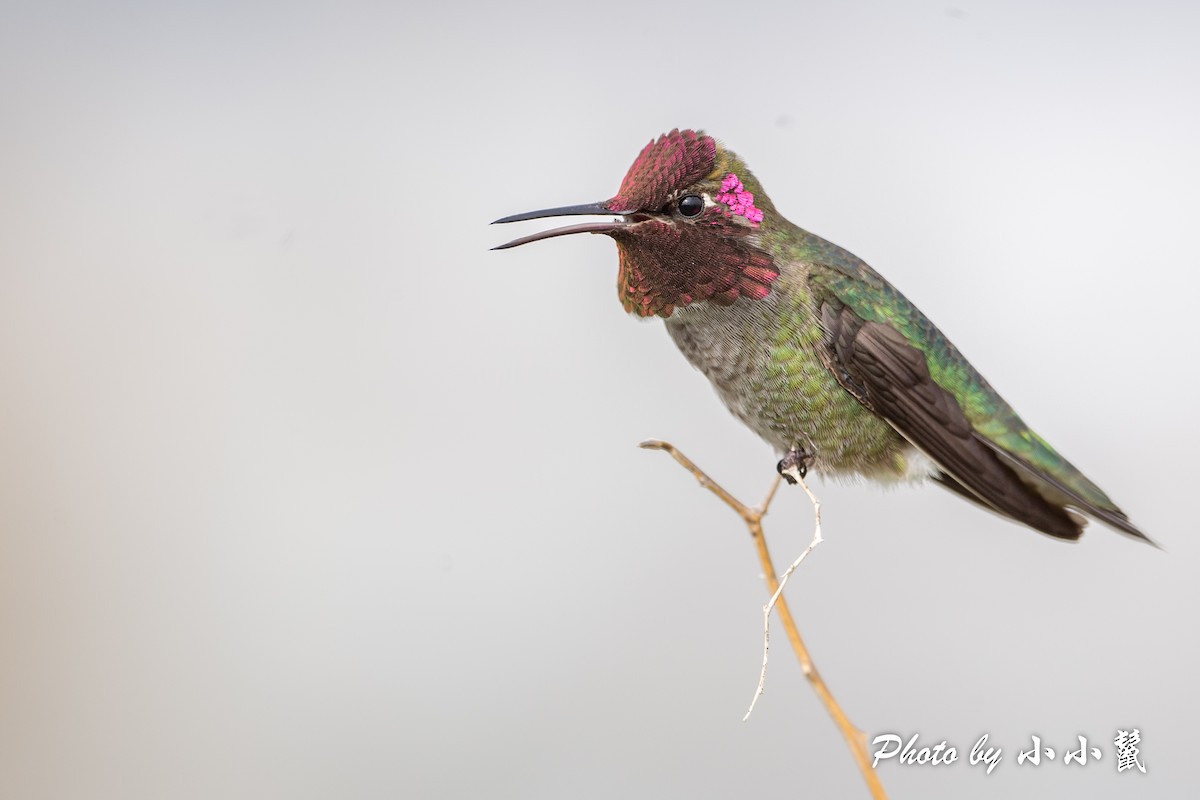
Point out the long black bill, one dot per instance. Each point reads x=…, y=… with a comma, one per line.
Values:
x=564, y=211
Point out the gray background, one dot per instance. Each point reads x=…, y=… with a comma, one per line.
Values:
x=306, y=494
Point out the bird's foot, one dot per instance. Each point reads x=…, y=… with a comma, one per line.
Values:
x=794, y=463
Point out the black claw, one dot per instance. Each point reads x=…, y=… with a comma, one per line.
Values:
x=798, y=458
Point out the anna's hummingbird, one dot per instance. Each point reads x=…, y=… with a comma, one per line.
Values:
x=812, y=349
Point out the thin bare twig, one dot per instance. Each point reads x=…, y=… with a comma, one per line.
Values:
x=794, y=476
x=854, y=737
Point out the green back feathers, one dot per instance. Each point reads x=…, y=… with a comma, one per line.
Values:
x=840, y=274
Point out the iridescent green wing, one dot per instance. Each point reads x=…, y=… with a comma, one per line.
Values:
x=886, y=352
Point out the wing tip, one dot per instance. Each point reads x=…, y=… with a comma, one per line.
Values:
x=1036, y=513
x=1072, y=503
x=1120, y=523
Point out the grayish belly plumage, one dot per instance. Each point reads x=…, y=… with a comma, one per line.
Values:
x=771, y=376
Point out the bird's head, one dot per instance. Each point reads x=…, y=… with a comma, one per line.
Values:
x=689, y=229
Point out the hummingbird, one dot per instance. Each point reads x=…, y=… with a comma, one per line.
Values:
x=812, y=349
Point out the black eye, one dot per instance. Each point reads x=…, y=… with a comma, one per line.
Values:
x=691, y=205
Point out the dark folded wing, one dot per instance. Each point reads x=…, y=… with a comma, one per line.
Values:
x=876, y=364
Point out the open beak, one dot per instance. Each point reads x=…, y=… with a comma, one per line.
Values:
x=565, y=211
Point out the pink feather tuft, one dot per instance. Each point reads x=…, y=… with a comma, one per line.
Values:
x=740, y=201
